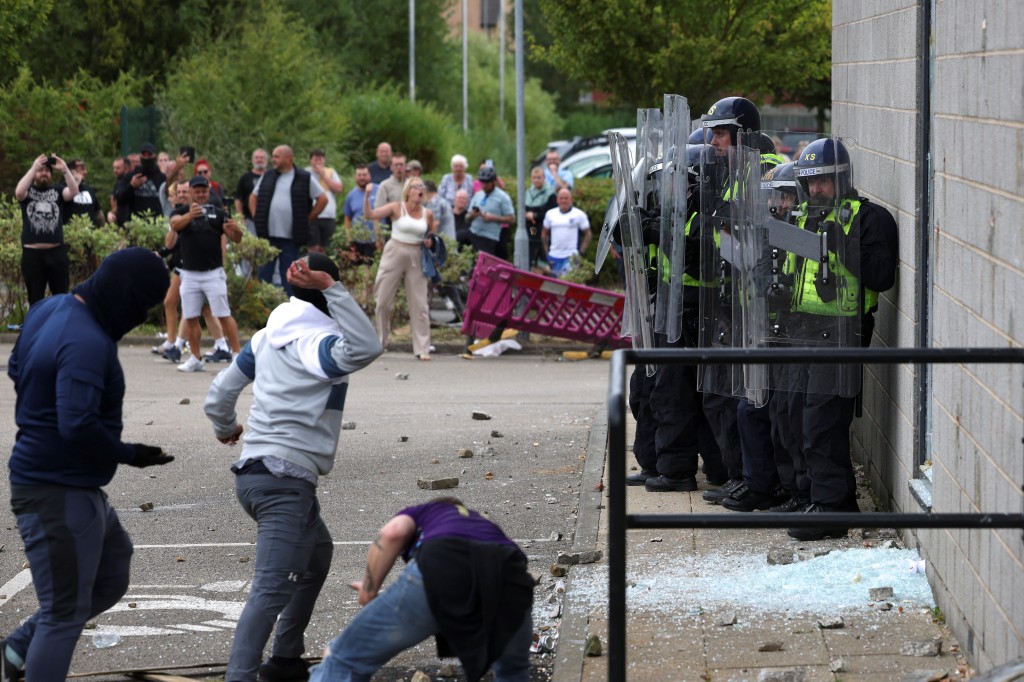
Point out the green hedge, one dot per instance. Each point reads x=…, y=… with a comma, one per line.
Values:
x=251, y=301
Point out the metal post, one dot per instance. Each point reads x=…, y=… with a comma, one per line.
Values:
x=412, y=50
x=465, y=65
x=501, y=61
x=617, y=519
x=522, y=242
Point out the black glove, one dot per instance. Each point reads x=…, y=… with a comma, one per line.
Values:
x=148, y=455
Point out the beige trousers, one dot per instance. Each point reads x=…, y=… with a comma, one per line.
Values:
x=403, y=260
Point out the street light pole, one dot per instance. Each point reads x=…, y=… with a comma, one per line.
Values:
x=501, y=61
x=522, y=241
x=412, y=50
x=465, y=65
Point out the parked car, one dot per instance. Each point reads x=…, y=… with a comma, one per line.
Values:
x=568, y=149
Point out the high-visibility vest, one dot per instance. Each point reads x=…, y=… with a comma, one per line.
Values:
x=848, y=286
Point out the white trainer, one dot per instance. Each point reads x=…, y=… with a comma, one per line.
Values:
x=193, y=364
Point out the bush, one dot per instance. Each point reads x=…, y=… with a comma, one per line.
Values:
x=233, y=95
x=251, y=301
x=80, y=117
x=418, y=130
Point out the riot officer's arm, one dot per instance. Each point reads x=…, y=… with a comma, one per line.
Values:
x=874, y=234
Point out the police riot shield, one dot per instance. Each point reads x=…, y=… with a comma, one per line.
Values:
x=637, y=313
x=673, y=213
x=720, y=174
x=648, y=149
x=819, y=301
x=748, y=245
x=604, y=240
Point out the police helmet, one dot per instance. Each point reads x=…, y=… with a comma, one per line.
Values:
x=736, y=113
x=701, y=135
x=765, y=144
x=781, y=185
x=825, y=157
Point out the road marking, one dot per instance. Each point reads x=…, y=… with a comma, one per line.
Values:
x=197, y=628
x=15, y=585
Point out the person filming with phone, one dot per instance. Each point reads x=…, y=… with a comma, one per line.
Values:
x=44, y=210
x=489, y=208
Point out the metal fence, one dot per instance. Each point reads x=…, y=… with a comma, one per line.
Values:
x=619, y=521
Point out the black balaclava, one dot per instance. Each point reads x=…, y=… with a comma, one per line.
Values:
x=128, y=283
x=320, y=263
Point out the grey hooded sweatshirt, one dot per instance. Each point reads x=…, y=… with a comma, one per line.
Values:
x=299, y=366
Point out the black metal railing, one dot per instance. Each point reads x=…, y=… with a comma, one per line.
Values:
x=619, y=521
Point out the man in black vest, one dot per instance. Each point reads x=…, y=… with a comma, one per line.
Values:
x=283, y=204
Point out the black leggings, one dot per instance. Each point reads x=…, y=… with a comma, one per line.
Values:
x=42, y=267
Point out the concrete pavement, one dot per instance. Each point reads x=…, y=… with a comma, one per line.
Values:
x=538, y=466
x=708, y=605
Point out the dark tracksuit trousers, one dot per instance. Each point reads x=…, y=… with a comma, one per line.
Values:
x=80, y=557
x=683, y=431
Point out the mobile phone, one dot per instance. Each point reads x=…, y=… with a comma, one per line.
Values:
x=489, y=163
x=190, y=152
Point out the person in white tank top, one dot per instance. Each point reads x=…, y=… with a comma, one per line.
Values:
x=412, y=227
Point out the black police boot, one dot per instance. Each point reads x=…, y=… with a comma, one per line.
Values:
x=716, y=495
x=640, y=477
x=743, y=499
x=664, y=484
x=794, y=504
x=806, y=534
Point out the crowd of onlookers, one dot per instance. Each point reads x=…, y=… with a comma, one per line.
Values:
x=390, y=208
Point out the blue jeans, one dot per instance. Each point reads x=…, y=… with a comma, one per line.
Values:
x=289, y=254
x=400, y=618
x=80, y=558
x=293, y=557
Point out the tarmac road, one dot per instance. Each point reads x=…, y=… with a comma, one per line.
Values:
x=193, y=552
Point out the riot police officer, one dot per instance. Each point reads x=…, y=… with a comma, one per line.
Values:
x=728, y=119
x=832, y=304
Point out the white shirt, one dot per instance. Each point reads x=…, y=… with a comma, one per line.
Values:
x=565, y=230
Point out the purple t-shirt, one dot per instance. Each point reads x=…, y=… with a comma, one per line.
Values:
x=441, y=519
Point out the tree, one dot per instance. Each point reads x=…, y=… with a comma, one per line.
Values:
x=20, y=22
x=77, y=117
x=369, y=42
x=107, y=37
x=638, y=50
x=230, y=98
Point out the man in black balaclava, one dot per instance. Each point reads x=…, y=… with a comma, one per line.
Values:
x=70, y=388
x=139, y=189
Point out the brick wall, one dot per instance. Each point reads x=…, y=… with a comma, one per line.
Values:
x=976, y=288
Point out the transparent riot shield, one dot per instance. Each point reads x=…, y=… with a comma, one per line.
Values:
x=648, y=149
x=637, y=314
x=604, y=240
x=825, y=302
x=668, y=318
x=721, y=175
x=748, y=285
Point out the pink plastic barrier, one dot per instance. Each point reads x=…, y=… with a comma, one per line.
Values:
x=499, y=294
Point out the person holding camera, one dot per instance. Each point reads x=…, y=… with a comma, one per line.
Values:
x=44, y=210
x=138, y=192
x=490, y=208
x=201, y=229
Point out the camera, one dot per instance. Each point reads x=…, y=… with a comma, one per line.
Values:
x=190, y=152
x=51, y=161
